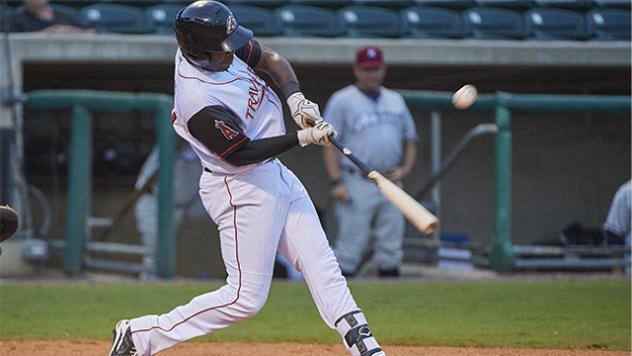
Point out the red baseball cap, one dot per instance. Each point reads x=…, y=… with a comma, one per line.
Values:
x=369, y=57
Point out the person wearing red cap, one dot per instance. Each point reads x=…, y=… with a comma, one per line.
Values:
x=375, y=123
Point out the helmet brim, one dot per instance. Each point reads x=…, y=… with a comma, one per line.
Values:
x=237, y=39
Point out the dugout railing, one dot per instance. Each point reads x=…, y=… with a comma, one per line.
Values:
x=502, y=255
x=78, y=213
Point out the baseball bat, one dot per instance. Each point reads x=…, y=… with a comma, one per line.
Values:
x=419, y=216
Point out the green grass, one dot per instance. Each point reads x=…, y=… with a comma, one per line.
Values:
x=541, y=314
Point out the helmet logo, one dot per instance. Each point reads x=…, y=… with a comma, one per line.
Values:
x=231, y=24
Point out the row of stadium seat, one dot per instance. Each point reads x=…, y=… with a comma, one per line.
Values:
x=369, y=21
x=393, y=4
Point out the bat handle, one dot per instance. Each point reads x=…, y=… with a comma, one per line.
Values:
x=347, y=152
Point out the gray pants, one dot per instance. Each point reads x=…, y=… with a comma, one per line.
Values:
x=367, y=209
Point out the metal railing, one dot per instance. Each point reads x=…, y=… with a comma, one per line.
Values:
x=80, y=167
x=502, y=255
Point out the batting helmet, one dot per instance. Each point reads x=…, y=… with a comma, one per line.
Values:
x=208, y=26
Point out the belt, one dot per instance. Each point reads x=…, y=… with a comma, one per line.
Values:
x=260, y=163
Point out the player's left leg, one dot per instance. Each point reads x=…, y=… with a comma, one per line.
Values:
x=389, y=237
x=305, y=245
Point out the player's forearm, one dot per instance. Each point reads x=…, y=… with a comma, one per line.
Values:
x=259, y=150
x=280, y=71
x=332, y=165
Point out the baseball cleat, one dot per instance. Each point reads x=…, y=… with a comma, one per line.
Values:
x=122, y=344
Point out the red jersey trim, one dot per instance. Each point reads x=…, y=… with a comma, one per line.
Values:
x=233, y=146
x=238, y=269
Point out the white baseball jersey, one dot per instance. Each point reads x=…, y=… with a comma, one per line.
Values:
x=260, y=209
x=260, y=112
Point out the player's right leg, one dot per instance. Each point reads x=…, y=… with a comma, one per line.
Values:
x=305, y=245
x=250, y=219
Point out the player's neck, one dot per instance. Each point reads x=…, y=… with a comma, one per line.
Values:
x=371, y=92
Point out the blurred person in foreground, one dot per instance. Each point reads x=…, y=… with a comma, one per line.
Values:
x=40, y=16
x=375, y=123
x=617, y=226
x=234, y=123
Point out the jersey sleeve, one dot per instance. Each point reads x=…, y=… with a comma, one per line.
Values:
x=334, y=114
x=250, y=53
x=218, y=129
x=410, y=131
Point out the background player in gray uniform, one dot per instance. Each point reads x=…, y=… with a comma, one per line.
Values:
x=234, y=123
x=618, y=224
x=187, y=170
x=376, y=125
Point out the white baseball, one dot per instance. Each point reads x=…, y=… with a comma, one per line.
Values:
x=464, y=97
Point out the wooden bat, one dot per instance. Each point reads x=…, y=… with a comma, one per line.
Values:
x=419, y=216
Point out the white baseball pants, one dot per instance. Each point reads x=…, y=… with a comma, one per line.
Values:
x=257, y=212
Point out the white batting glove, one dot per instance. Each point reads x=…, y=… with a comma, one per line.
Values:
x=319, y=134
x=304, y=112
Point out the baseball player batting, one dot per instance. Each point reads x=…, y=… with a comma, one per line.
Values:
x=234, y=123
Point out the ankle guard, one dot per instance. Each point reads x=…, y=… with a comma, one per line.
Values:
x=357, y=335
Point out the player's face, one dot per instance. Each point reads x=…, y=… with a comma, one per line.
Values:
x=216, y=61
x=369, y=78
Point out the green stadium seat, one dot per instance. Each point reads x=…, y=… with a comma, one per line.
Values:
x=5, y=14
x=615, y=4
x=370, y=21
x=566, y=4
x=114, y=18
x=257, y=3
x=433, y=22
x=392, y=4
x=609, y=24
x=556, y=24
x=509, y=4
x=308, y=21
x=161, y=17
x=494, y=23
x=452, y=4
x=261, y=21
x=330, y=4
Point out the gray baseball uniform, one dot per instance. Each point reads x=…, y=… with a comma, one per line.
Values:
x=375, y=130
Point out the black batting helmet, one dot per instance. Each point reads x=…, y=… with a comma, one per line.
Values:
x=208, y=26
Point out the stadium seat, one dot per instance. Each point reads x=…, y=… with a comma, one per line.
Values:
x=509, y=4
x=615, y=4
x=609, y=24
x=5, y=13
x=258, y=3
x=432, y=22
x=67, y=10
x=452, y=4
x=261, y=21
x=392, y=4
x=556, y=24
x=494, y=23
x=161, y=18
x=114, y=18
x=566, y=4
x=369, y=21
x=308, y=21
x=330, y=4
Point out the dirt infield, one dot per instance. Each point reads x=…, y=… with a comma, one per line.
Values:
x=100, y=348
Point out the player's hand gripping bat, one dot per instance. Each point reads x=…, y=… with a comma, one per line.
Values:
x=423, y=220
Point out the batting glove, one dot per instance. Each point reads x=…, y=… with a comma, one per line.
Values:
x=304, y=112
x=319, y=134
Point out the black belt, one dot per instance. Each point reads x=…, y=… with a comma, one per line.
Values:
x=207, y=170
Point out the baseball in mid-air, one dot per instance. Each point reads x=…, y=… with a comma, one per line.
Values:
x=464, y=97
